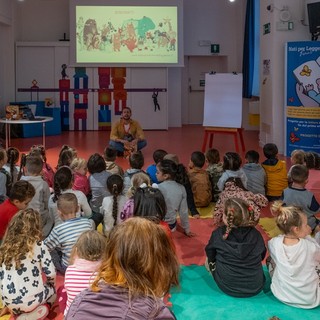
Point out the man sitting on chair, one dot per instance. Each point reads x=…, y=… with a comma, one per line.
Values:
x=126, y=134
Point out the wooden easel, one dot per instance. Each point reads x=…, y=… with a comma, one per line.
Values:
x=209, y=132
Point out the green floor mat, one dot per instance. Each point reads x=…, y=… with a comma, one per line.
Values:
x=199, y=298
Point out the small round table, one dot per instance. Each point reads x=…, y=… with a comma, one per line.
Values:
x=8, y=123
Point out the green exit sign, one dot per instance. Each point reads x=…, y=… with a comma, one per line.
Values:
x=266, y=28
x=215, y=48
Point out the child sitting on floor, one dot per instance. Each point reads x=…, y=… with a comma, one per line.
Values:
x=40, y=200
x=110, y=156
x=27, y=274
x=276, y=170
x=295, y=259
x=138, y=268
x=257, y=178
x=174, y=195
x=112, y=206
x=11, y=167
x=298, y=195
x=136, y=162
x=137, y=180
x=47, y=170
x=232, y=168
x=199, y=179
x=98, y=184
x=80, y=179
x=297, y=157
x=182, y=177
x=63, y=236
x=149, y=203
x=215, y=170
x=21, y=194
x=157, y=155
x=84, y=263
x=66, y=155
x=235, y=251
x=63, y=181
x=234, y=188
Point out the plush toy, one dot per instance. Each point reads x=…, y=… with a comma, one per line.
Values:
x=63, y=71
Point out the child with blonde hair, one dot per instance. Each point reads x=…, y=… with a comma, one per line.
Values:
x=84, y=263
x=112, y=206
x=138, y=268
x=235, y=251
x=27, y=274
x=137, y=180
x=80, y=179
x=295, y=258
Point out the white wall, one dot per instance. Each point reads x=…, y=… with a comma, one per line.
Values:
x=216, y=20
x=272, y=87
x=219, y=21
x=6, y=53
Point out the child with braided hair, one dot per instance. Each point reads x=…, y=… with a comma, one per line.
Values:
x=112, y=206
x=295, y=259
x=234, y=188
x=11, y=166
x=235, y=251
x=47, y=170
x=63, y=182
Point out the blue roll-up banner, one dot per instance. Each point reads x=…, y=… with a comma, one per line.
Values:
x=302, y=106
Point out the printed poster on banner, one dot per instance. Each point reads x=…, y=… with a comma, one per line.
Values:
x=302, y=107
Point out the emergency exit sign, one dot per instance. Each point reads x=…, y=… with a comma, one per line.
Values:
x=266, y=28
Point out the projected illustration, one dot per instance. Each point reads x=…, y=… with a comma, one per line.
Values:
x=126, y=34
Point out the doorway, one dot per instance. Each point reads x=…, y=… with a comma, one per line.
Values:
x=195, y=69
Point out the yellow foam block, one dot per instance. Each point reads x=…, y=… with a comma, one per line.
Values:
x=269, y=226
x=206, y=212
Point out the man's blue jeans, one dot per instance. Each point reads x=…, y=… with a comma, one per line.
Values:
x=119, y=146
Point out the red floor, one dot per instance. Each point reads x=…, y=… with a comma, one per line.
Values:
x=181, y=141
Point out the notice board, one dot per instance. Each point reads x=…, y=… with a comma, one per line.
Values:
x=223, y=100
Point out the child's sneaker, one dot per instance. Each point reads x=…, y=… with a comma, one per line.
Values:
x=39, y=313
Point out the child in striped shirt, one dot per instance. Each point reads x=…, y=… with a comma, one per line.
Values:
x=85, y=260
x=63, y=236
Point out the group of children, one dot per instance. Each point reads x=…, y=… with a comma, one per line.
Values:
x=236, y=249
x=65, y=207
